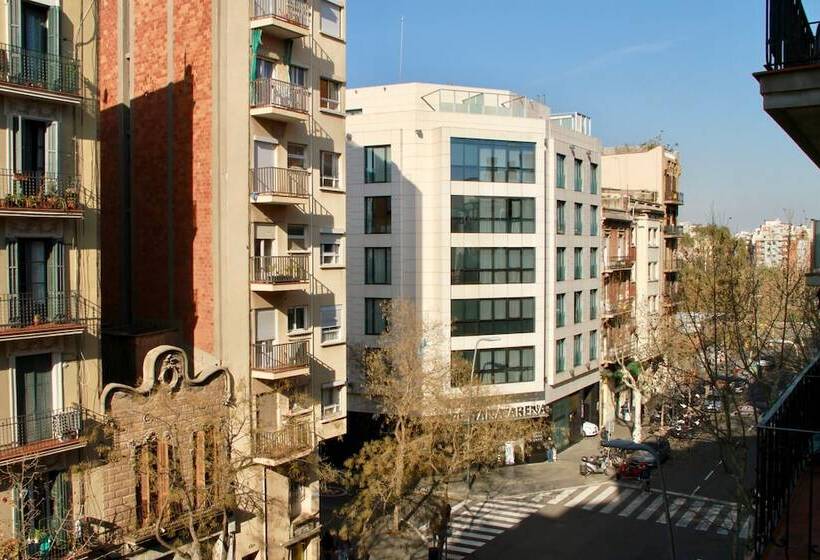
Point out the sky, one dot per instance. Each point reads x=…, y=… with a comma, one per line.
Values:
x=638, y=68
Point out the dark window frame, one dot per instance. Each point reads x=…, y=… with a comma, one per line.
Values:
x=369, y=225
x=509, y=161
x=374, y=316
x=370, y=167
x=466, y=316
x=370, y=276
x=502, y=269
x=503, y=218
x=500, y=373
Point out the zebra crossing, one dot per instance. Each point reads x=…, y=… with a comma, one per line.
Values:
x=478, y=522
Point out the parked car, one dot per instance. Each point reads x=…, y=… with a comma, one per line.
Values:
x=712, y=403
x=661, y=447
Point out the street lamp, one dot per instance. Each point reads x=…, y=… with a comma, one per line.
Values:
x=475, y=351
x=470, y=415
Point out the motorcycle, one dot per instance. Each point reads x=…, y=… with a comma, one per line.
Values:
x=634, y=470
x=595, y=465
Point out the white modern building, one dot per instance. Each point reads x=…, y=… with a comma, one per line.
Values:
x=483, y=208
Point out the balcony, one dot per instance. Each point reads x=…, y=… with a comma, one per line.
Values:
x=291, y=442
x=612, y=309
x=285, y=19
x=619, y=353
x=619, y=262
x=278, y=185
x=280, y=274
x=790, y=85
x=272, y=361
x=30, y=73
x=39, y=194
x=26, y=316
x=671, y=196
x=673, y=231
x=38, y=435
x=671, y=264
x=278, y=100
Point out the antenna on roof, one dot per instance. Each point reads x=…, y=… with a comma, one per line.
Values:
x=401, y=48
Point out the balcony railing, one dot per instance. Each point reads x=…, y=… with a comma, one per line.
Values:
x=30, y=311
x=611, y=309
x=671, y=264
x=280, y=270
x=673, y=196
x=618, y=262
x=296, y=12
x=280, y=181
x=620, y=352
x=293, y=439
x=267, y=92
x=39, y=70
x=36, y=430
x=673, y=231
x=38, y=191
x=790, y=40
x=270, y=356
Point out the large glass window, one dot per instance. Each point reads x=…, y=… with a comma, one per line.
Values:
x=377, y=214
x=578, y=308
x=593, y=304
x=492, y=316
x=377, y=265
x=579, y=175
x=492, y=265
x=579, y=219
x=487, y=214
x=560, y=171
x=331, y=19
x=330, y=94
x=561, y=264
x=560, y=310
x=577, y=350
x=330, y=170
x=593, y=220
x=560, y=217
x=560, y=358
x=593, y=262
x=377, y=164
x=496, y=161
x=593, y=345
x=578, y=263
x=593, y=178
x=330, y=317
x=494, y=366
x=374, y=315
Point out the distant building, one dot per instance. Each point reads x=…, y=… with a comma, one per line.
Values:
x=776, y=242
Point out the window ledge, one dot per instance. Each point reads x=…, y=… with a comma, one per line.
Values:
x=332, y=189
x=332, y=266
x=298, y=252
x=333, y=112
x=332, y=37
x=333, y=417
x=299, y=332
x=332, y=343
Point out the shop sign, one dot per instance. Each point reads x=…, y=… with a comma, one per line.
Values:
x=514, y=412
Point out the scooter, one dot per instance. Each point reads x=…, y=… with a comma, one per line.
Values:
x=595, y=465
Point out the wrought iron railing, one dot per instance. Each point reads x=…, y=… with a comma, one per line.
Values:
x=280, y=181
x=292, y=11
x=293, y=438
x=613, y=308
x=35, y=69
x=671, y=195
x=619, y=352
x=280, y=270
x=673, y=231
x=59, y=425
x=269, y=355
x=19, y=311
x=276, y=93
x=790, y=40
x=785, y=444
x=618, y=262
x=38, y=191
x=671, y=264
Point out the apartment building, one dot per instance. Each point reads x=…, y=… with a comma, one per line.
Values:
x=775, y=243
x=49, y=284
x=224, y=252
x=483, y=208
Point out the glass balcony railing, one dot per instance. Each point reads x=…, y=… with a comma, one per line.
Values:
x=39, y=70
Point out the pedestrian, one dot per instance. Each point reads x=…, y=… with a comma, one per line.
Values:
x=550, y=451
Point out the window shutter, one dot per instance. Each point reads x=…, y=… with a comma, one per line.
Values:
x=53, y=73
x=12, y=249
x=14, y=24
x=52, y=156
x=61, y=498
x=16, y=143
x=58, y=300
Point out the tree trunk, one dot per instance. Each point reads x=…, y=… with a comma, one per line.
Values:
x=637, y=411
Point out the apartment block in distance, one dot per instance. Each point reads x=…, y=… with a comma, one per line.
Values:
x=224, y=256
x=49, y=279
x=483, y=208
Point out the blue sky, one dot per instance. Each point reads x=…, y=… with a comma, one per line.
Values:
x=637, y=68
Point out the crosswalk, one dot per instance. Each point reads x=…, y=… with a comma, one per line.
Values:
x=476, y=523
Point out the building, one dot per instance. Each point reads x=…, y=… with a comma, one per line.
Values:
x=775, y=243
x=225, y=239
x=49, y=283
x=483, y=207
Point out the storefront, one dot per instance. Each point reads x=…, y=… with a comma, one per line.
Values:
x=569, y=414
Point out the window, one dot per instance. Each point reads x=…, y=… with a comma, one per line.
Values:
x=330, y=94
x=593, y=220
x=579, y=219
x=593, y=346
x=331, y=321
x=375, y=309
x=593, y=262
x=331, y=19
x=502, y=365
x=579, y=175
x=297, y=240
x=495, y=161
x=264, y=68
x=377, y=265
x=329, y=169
x=593, y=178
x=561, y=264
x=653, y=236
x=156, y=465
x=377, y=214
x=298, y=76
x=653, y=271
x=593, y=304
x=560, y=171
x=297, y=319
x=487, y=214
x=331, y=399
x=560, y=217
x=577, y=350
x=492, y=316
x=377, y=164
x=578, y=263
x=560, y=310
x=331, y=249
x=578, y=308
x=499, y=265
x=297, y=156
x=560, y=363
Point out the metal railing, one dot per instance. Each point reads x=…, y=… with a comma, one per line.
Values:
x=269, y=355
x=786, y=437
x=673, y=196
x=38, y=191
x=35, y=69
x=671, y=264
x=790, y=40
x=281, y=181
x=297, y=12
x=620, y=352
x=279, y=270
x=673, y=231
x=276, y=93
x=613, y=308
x=618, y=262
x=19, y=311
x=293, y=438
x=60, y=425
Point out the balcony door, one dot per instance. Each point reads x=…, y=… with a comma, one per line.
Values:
x=264, y=162
x=34, y=156
x=36, y=281
x=35, y=396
